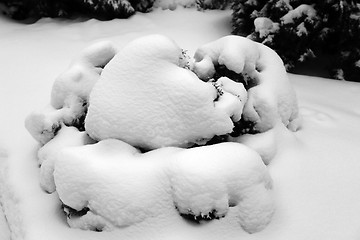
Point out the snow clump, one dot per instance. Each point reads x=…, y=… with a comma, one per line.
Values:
x=264, y=26
x=302, y=10
x=111, y=184
x=70, y=93
x=149, y=99
x=270, y=94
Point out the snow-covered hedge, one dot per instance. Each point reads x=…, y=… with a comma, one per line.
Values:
x=301, y=30
x=108, y=9
x=103, y=9
x=110, y=106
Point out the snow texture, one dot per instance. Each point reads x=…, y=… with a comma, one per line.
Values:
x=70, y=93
x=66, y=137
x=118, y=186
x=264, y=26
x=4, y=228
x=149, y=99
x=271, y=98
x=265, y=144
x=172, y=4
x=302, y=10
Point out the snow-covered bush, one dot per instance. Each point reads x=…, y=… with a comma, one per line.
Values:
x=213, y=4
x=23, y=9
x=301, y=30
x=148, y=98
x=150, y=95
x=172, y=4
x=199, y=4
x=270, y=94
x=70, y=93
x=111, y=184
x=105, y=9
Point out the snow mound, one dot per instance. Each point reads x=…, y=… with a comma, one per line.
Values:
x=264, y=26
x=111, y=184
x=70, y=93
x=65, y=137
x=148, y=98
x=270, y=94
x=303, y=10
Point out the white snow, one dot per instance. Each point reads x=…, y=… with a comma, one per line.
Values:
x=357, y=63
x=70, y=92
x=301, y=29
x=145, y=98
x=264, y=26
x=265, y=144
x=315, y=171
x=121, y=187
x=173, y=4
x=66, y=137
x=272, y=97
x=301, y=10
x=4, y=229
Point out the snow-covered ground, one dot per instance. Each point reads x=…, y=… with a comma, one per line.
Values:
x=4, y=230
x=315, y=172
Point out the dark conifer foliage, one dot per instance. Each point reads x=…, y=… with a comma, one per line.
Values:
x=213, y=4
x=300, y=30
x=104, y=9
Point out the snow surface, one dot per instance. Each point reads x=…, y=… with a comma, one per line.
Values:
x=121, y=187
x=264, y=26
x=315, y=171
x=147, y=99
x=173, y=4
x=4, y=230
x=70, y=92
x=302, y=10
x=272, y=96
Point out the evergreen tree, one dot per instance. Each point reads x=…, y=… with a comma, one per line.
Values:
x=303, y=29
x=107, y=9
x=104, y=9
x=23, y=9
x=213, y=4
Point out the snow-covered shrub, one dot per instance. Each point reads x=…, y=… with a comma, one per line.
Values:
x=70, y=93
x=301, y=30
x=270, y=94
x=172, y=4
x=23, y=9
x=66, y=137
x=111, y=184
x=213, y=4
x=109, y=9
x=105, y=9
x=199, y=4
x=109, y=105
x=148, y=98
